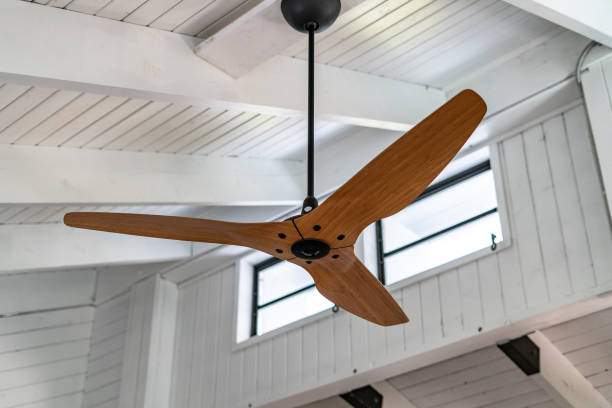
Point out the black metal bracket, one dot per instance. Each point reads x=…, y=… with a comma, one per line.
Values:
x=524, y=353
x=364, y=397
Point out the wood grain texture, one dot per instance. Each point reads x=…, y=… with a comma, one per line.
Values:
x=397, y=176
x=345, y=281
x=261, y=236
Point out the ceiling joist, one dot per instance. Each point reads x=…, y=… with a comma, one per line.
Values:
x=47, y=175
x=590, y=18
x=113, y=58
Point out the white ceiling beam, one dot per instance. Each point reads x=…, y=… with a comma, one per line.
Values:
x=561, y=379
x=47, y=175
x=591, y=18
x=93, y=54
x=45, y=246
x=253, y=33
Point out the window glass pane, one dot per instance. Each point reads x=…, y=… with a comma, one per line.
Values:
x=281, y=279
x=443, y=248
x=439, y=211
x=289, y=310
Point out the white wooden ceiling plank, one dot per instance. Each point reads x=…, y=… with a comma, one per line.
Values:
x=424, y=30
x=119, y=9
x=531, y=399
x=470, y=388
x=10, y=212
x=598, y=366
x=180, y=13
x=477, y=47
x=205, y=126
x=44, y=214
x=450, y=380
x=247, y=128
x=494, y=396
x=35, y=117
x=10, y=92
x=590, y=353
x=585, y=339
x=105, y=123
x=25, y=216
x=601, y=379
x=229, y=145
x=294, y=142
x=176, y=133
x=43, y=391
x=58, y=3
x=243, y=119
x=137, y=118
x=253, y=149
x=59, y=119
x=87, y=6
x=22, y=105
x=145, y=127
x=150, y=11
x=205, y=18
x=167, y=126
x=385, y=27
x=89, y=116
x=347, y=24
x=453, y=365
x=475, y=19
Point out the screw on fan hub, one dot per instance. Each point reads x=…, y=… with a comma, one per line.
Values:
x=305, y=15
x=310, y=249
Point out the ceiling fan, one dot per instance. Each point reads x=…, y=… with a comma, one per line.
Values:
x=321, y=239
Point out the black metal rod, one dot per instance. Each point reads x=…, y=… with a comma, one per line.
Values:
x=311, y=57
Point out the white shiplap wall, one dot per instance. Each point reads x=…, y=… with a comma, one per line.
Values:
x=561, y=242
x=105, y=362
x=43, y=358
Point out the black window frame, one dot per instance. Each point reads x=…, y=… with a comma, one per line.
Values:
x=432, y=190
x=380, y=254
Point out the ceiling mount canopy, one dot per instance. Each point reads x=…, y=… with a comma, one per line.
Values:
x=322, y=238
x=309, y=15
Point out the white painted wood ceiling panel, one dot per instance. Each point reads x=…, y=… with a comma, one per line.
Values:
x=189, y=17
x=36, y=116
x=587, y=343
x=429, y=42
x=483, y=379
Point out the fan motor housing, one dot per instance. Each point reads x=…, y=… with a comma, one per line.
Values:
x=310, y=248
x=304, y=15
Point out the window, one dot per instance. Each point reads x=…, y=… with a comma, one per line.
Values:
x=451, y=218
x=282, y=293
x=455, y=216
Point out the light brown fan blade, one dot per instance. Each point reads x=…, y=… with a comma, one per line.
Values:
x=344, y=280
x=275, y=238
x=396, y=176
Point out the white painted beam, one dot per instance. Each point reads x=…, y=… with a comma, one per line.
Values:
x=562, y=380
x=392, y=398
x=48, y=175
x=149, y=345
x=113, y=58
x=591, y=18
x=46, y=246
x=250, y=35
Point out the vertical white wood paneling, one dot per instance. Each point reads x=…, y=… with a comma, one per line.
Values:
x=149, y=344
x=554, y=203
x=547, y=214
x=573, y=229
x=432, y=313
x=591, y=193
x=450, y=299
x=524, y=220
x=43, y=357
x=105, y=365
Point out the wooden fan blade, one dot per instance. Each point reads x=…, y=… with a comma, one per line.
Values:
x=396, y=176
x=344, y=280
x=275, y=238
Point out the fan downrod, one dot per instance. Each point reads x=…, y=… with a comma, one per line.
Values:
x=307, y=15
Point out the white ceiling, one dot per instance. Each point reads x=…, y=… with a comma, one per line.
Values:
x=431, y=42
